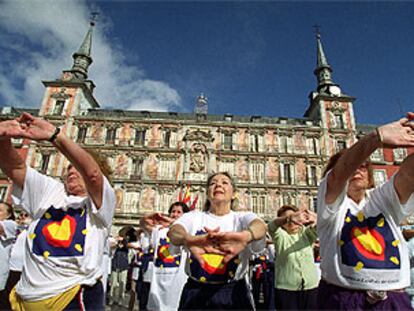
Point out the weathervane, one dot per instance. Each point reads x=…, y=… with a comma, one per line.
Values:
x=93, y=18
x=317, y=30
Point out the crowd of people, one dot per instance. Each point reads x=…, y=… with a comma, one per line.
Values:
x=58, y=253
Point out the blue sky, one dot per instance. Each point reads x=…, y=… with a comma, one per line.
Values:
x=247, y=57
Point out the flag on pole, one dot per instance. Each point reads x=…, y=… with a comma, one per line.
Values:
x=193, y=205
x=187, y=195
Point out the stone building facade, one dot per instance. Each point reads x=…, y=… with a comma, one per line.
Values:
x=274, y=161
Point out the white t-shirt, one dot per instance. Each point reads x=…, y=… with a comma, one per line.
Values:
x=135, y=262
x=6, y=243
x=17, y=253
x=410, y=244
x=147, y=249
x=65, y=242
x=214, y=271
x=168, y=275
x=361, y=245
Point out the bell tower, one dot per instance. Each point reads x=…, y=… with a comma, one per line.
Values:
x=330, y=105
x=72, y=93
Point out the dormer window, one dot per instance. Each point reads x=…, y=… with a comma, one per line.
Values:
x=58, y=109
x=167, y=138
x=228, y=141
x=137, y=164
x=140, y=137
x=82, y=135
x=228, y=117
x=339, y=121
x=3, y=193
x=110, y=135
x=340, y=144
x=44, y=163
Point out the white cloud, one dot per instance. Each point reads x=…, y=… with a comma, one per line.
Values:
x=37, y=41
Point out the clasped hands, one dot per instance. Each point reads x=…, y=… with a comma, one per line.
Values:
x=27, y=126
x=226, y=244
x=399, y=133
x=156, y=219
x=304, y=217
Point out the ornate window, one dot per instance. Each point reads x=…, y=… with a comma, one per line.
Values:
x=58, y=109
x=166, y=169
x=60, y=99
x=226, y=166
x=380, y=177
x=312, y=176
x=256, y=142
x=312, y=144
x=167, y=138
x=314, y=203
x=3, y=193
x=110, y=135
x=399, y=154
x=137, y=164
x=227, y=141
x=140, y=137
x=44, y=163
x=338, y=120
x=82, y=135
x=285, y=143
x=132, y=202
x=340, y=144
x=164, y=201
x=258, y=203
x=286, y=174
x=257, y=172
x=288, y=199
x=378, y=155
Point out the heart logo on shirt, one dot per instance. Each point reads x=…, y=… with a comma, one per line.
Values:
x=164, y=254
x=369, y=242
x=213, y=263
x=60, y=233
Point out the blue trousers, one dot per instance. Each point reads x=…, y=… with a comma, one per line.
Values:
x=203, y=296
x=88, y=298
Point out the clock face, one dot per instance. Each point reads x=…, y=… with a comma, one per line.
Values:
x=335, y=90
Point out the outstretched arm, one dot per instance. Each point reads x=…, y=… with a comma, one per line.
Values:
x=404, y=180
x=149, y=221
x=396, y=134
x=40, y=130
x=10, y=161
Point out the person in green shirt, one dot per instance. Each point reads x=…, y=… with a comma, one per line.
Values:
x=296, y=279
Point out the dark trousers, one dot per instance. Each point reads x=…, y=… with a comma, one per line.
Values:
x=88, y=298
x=143, y=295
x=13, y=278
x=296, y=300
x=332, y=297
x=142, y=289
x=202, y=296
x=264, y=284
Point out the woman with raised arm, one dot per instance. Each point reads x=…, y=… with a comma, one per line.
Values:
x=168, y=275
x=364, y=259
x=296, y=278
x=71, y=220
x=7, y=239
x=220, y=242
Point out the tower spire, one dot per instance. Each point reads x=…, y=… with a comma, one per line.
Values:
x=323, y=70
x=82, y=58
